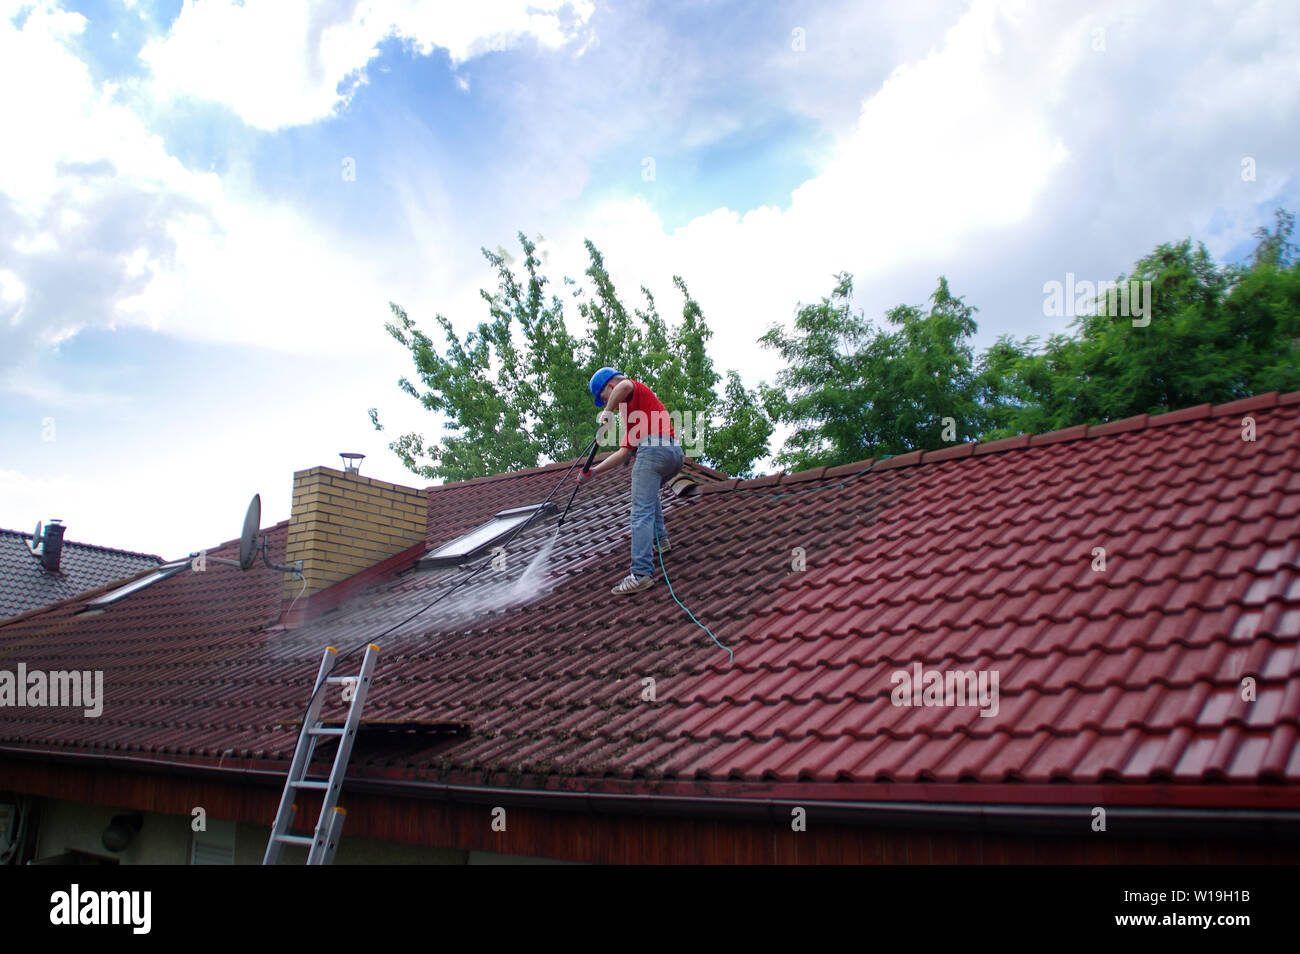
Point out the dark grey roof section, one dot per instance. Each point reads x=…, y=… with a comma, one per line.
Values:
x=26, y=585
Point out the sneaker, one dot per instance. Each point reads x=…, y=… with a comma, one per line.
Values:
x=633, y=584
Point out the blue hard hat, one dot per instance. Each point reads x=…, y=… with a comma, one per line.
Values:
x=598, y=382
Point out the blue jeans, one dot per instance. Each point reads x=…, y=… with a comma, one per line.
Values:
x=658, y=459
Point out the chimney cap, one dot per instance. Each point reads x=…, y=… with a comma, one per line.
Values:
x=352, y=462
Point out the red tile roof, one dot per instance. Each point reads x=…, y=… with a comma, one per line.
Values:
x=1128, y=677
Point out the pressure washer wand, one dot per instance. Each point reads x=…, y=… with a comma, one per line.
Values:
x=591, y=455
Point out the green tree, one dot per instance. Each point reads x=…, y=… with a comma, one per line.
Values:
x=514, y=394
x=1275, y=249
x=1215, y=333
x=616, y=341
x=506, y=406
x=852, y=391
x=743, y=434
x=1024, y=390
x=1263, y=313
x=656, y=359
x=689, y=347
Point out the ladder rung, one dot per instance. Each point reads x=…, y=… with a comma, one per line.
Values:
x=330, y=824
x=296, y=840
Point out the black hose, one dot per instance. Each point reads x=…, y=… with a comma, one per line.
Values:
x=457, y=585
x=591, y=455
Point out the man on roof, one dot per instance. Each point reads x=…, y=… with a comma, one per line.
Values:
x=648, y=436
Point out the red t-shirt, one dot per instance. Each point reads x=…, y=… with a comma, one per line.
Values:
x=645, y=415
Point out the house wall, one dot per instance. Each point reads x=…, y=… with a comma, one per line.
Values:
x=166, y=840
x=466, y=830
x=72, y=826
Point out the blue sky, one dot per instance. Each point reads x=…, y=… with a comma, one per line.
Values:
x=193, y=292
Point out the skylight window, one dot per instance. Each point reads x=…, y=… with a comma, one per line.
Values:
x=471, y=544
x=135, y=586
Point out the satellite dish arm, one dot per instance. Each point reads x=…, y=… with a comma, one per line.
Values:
x=295, y=569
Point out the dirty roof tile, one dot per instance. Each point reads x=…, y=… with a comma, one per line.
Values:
x=960, y=561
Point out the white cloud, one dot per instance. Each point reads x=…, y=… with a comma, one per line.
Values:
x=289, y=62
x=12, y=294
x=1008, y=143
x=967, y=142
x=180, y=478
x=106, y=508
x=245, y=273
x=1012, y=131
x=70, y=123
x=104, y=227
x=52, y=393
x=954, y=144
x=41, y=496
x=88, y=179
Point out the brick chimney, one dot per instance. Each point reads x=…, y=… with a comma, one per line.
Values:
x=343, y=523
x=52, y=545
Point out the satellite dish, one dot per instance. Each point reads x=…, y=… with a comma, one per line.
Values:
x=248, y=540
x=35, y=543
x=249, y=548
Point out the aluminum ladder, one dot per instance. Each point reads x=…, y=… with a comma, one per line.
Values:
x=329, y=827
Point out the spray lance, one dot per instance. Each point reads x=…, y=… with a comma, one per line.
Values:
x=591, y=456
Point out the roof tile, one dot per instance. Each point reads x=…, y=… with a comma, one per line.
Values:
x=984, y=565
x=1110, y=428
x=949, y=453
x=850, y=470
x=1007, y=443
x=1199, y=412
x=25, y=585
x=900, y=460
x=1055, y=437
x=800, y=476
x=1257, y=403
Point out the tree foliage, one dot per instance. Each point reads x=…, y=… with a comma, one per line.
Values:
x=513, y=393
x=1214, y=333
x=852, y=391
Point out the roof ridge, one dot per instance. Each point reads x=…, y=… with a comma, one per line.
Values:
x=530, y=471
x=89, y=546
x=1137, y=422
x=507, y=475
x=260, y=530
x=88, y=595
